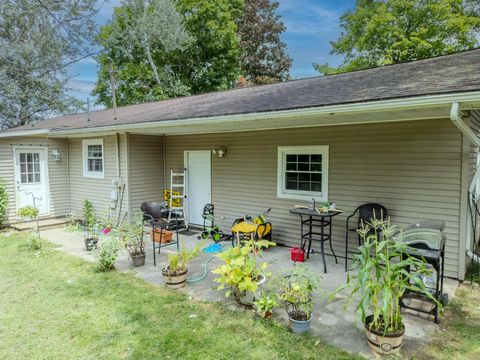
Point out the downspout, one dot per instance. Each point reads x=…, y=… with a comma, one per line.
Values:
x=118, y=154
x=456, y=117
x=164, y=158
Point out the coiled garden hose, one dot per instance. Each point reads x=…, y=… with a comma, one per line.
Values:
x=212, y=249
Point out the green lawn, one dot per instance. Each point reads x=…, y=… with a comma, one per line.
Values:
x=54, y=306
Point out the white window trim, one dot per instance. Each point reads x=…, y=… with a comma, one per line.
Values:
x=93, y=174
x=283, y=193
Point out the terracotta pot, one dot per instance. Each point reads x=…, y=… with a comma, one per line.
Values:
x=166, y=236
x=174, y=280
x=383, y=343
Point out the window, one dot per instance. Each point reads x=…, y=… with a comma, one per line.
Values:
x=93, y=158
x=30, y=168
x=302, y=172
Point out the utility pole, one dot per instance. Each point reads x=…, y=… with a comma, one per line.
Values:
x=114, y=98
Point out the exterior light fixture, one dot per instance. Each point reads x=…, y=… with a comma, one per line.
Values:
x=56, y=155
x=220, y=152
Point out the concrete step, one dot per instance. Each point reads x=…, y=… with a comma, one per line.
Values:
x=43, y=224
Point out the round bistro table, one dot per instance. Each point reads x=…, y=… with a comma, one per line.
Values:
x=316, y=226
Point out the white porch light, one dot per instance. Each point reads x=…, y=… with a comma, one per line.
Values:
x=56, y=155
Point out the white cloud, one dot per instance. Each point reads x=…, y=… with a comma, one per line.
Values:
x=81, y=85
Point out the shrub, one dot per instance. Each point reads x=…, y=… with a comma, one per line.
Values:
x=107, y=254
x=3, y=202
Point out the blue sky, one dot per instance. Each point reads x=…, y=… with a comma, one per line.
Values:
x=311, y=25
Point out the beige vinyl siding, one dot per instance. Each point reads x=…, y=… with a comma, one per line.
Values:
x=475, y=126
x=146, y=170
x=57, y=173
x=412, y=168
x=98, y=190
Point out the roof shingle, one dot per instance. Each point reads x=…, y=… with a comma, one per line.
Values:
x=446, y=74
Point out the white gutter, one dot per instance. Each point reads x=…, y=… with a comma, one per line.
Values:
x=370, y=106
x=16, y=133
x=456, y=117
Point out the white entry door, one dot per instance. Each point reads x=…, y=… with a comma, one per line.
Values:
x=199, y=184
x=31, y=179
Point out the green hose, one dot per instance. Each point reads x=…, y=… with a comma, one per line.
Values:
x=205, y=272
x=205, y=268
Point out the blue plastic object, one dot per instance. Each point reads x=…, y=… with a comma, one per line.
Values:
x=213, y=249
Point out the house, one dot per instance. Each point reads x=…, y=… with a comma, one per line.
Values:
x=402, y=135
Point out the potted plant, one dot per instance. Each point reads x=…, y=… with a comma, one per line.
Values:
x=28, y=212
x=265, y=305
x=296, y=291
x=132, y=239
x=175, y=273
x=381, y=281
x=241, y=274
x=89, y=226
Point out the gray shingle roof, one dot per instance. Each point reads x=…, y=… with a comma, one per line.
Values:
x=446, y=74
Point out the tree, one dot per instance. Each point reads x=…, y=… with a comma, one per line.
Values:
x=263, y=58
x=382, y=32
x=212, y=60
x=141, y=44
x=161, y=49
x=38, y=39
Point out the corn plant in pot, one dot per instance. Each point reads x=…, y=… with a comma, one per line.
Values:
x=175, y=272
x=380, y=281
x=296, y=291
x=132, y=239
x=242, y=275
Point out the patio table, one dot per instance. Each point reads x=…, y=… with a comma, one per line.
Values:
x=319, y=228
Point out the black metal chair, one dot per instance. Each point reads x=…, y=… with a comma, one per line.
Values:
x=155, y=217
x=366, y=212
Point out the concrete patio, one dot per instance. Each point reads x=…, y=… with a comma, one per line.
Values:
x=330, y=321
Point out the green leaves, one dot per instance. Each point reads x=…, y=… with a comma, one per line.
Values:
x=241, y=269
x=382, y=32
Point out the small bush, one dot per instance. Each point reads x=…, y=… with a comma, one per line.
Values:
x=3, y=202
x=107, y=254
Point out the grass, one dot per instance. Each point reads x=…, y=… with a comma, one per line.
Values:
x=53, y=305
x=459, y=335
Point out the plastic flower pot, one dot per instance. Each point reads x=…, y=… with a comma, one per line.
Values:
x=299, y=326
x=248, y=297
x=138, y=260
x=91, y=243
x=383, y=343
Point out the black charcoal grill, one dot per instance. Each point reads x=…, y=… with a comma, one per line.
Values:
x=426, y=239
